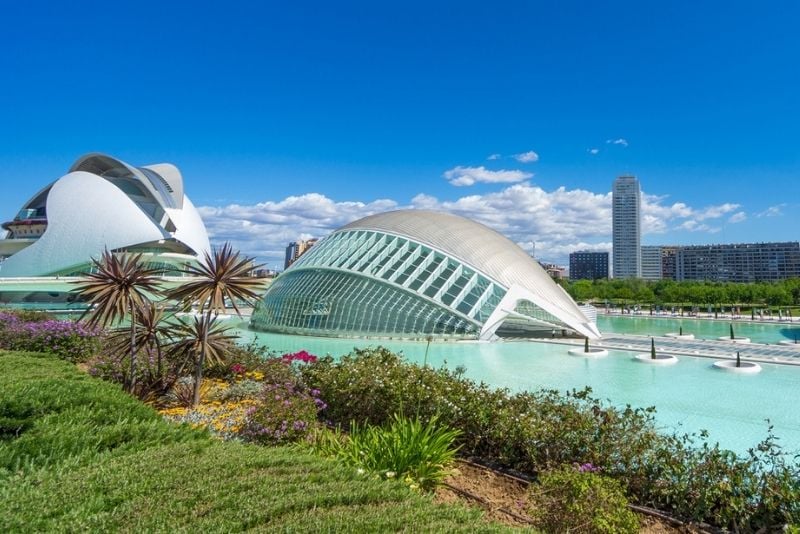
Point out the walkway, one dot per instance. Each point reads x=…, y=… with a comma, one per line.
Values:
x=783, y=354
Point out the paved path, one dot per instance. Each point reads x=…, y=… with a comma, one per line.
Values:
x=784, y=354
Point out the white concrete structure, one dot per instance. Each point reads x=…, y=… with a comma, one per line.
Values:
x=104, y=203
x=660, y=359
x=744, y=368
x=626, y=228
x=412, y=273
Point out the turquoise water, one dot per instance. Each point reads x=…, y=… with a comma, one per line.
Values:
x=689, y=396
x=701, y=328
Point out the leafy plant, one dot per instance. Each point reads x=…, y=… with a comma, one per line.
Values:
x=30, y=331
x=245, y=389
x=220, y=276
x=411, y=450
x=283, y=413
x=582, y=501
x=201, y=335
x=116, y=289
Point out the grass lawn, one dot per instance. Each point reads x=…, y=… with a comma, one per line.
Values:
x=78, y=454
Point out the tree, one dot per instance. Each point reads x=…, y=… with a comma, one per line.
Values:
x=153, y=332
x=117, y=289
x=203, y=338
x=220, y=277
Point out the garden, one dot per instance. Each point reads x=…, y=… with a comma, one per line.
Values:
x=195, y=422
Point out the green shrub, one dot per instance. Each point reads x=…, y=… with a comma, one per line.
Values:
x=579, y=500
x=542, y=430
x=416, y=452
x=69, y=340
x=283, y=413
x=245, y=389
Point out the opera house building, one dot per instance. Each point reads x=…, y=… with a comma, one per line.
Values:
x=413, y=274
x=103, y=203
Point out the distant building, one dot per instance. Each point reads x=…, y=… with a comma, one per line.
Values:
x=747, y=262
x=652, y=263
x=556, y=272
x=296, y=249
x=669, y=262
x=626, y=227
x=585, y=265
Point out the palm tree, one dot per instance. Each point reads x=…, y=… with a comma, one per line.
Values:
x=117, y=289
x=220, y=276
x=202, y=337
x=152, y=333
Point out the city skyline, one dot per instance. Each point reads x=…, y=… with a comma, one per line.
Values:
x=290, y=121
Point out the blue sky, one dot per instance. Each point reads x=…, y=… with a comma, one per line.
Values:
x=290, y=118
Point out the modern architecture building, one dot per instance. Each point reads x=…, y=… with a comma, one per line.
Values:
x=104, y=203
x=652, y=263
x=418, y=273
x=626, y=228
x=295, y=249
x=587, y=265
x=747, y=262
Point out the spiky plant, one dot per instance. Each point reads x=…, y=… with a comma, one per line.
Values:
x=153, y=332
x=200, y=336
x=120, y=285
x=221, y=275
x=738, y=360
x=652, y=349
x=586, y=344
x=732, y=335
x=680, y=331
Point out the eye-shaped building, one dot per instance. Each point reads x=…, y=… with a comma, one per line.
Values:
x=417, y=273
x=104, y=203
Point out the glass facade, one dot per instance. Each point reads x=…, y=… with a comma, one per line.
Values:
x=367, y=282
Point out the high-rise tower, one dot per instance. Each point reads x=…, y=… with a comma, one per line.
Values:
x=627, y=228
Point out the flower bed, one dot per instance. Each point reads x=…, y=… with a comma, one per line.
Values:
x=69, y=340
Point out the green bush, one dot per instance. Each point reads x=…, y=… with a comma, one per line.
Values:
x=283, y=413
x=578, y=500
x=419, y=453
x=543, y=430
x=69, y=340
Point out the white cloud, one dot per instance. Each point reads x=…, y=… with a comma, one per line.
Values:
x=560, y=221
x=264, y=229
x=493, y=157
x=527, y=157
x=772, y=211
x=593, y=151
x=693, y=226
x=619, y=141
x=465, y=176
x=737, y=217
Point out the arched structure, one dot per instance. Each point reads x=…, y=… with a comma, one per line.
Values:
x=413, y=273
x=104, y=203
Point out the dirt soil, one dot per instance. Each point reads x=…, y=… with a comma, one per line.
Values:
x=502, y=498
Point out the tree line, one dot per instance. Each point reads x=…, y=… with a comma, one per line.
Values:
x=782, y=293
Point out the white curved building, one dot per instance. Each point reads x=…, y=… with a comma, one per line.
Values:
x=104, y=203
x=414, y=273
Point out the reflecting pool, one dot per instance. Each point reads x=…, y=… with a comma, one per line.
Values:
x=689, y=396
